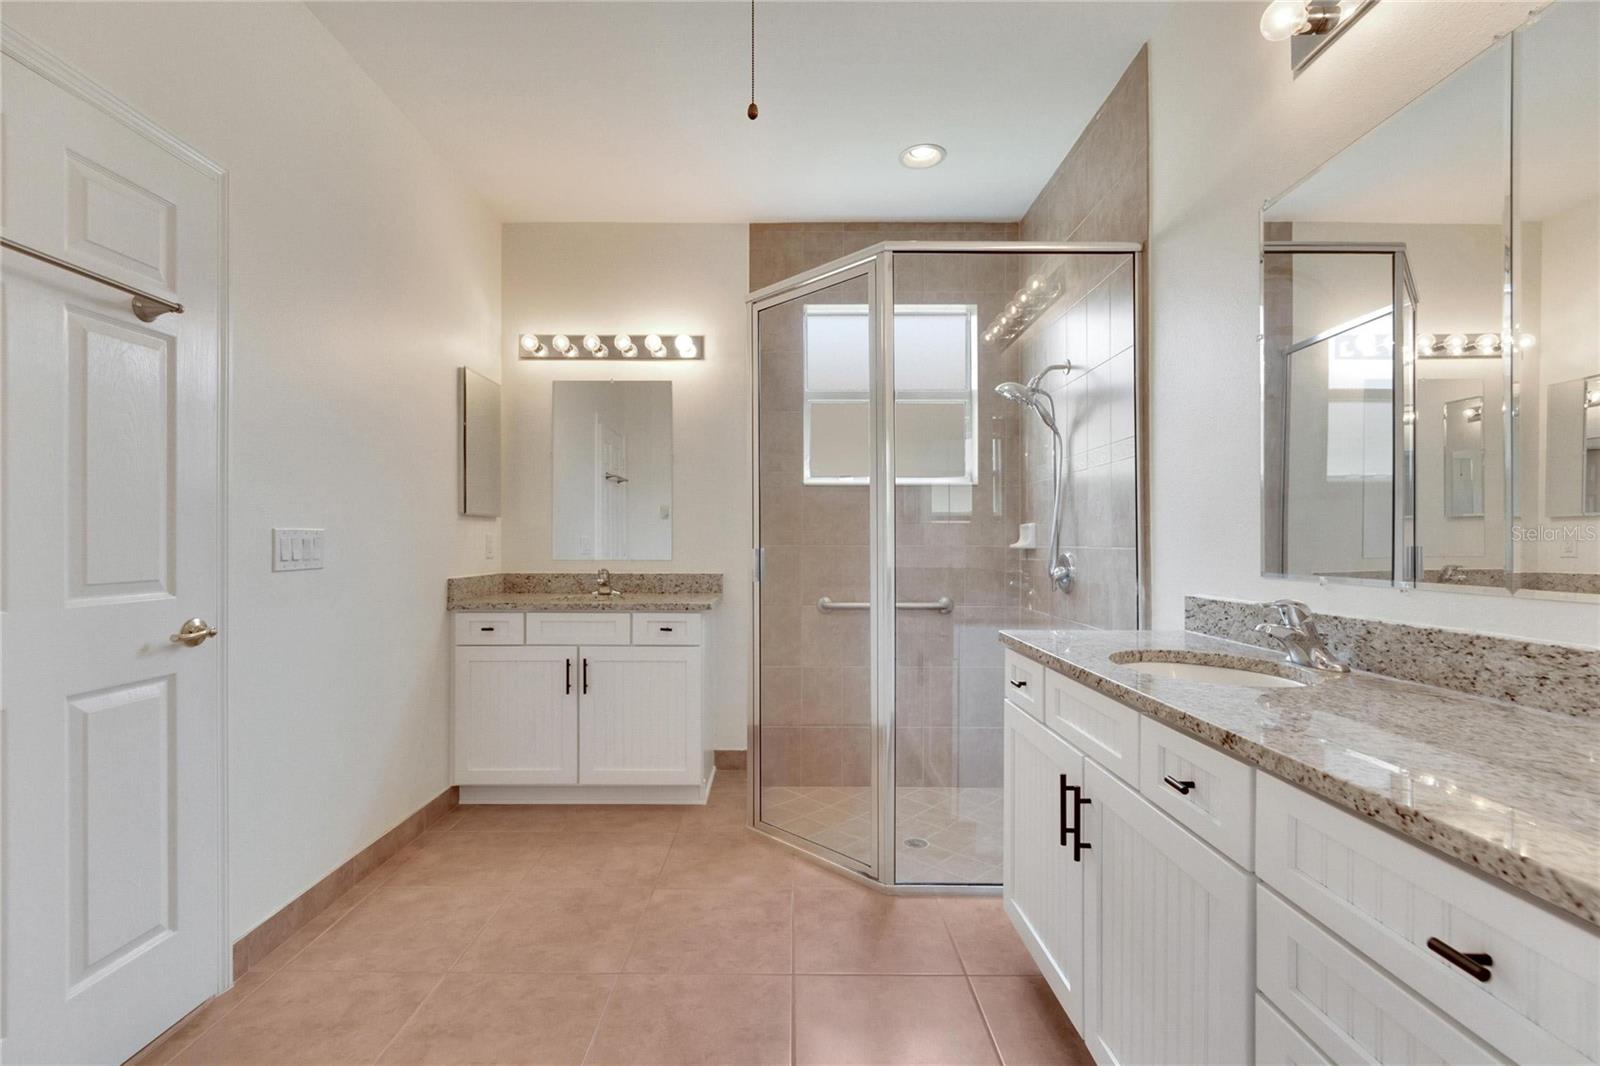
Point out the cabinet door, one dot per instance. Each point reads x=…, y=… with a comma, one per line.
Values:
x=516, y=716
x=639, y=716
x=1043, y=884
x=1167, y=969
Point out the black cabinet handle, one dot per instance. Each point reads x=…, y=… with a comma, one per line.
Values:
x=486, y=629
x=1018, y=684
x=586, y=675
x=1075, y=830
x=569, y=677
x=666, y=629
x=1476, y=964
x=1183, y=787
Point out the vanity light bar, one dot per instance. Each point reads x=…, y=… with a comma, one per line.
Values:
x=1470, y=345
x=558, y=346
x=1024, y=306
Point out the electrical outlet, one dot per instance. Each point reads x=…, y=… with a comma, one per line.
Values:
x=488, y=545
x=297, y=549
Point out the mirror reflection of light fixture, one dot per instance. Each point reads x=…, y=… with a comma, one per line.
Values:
x=604, y=346
x=1309, y=25
x=1462, y=346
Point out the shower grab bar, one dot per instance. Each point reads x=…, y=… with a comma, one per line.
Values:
x=146, y=308
x=944, y=605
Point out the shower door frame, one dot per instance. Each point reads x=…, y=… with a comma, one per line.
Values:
x=876, y=264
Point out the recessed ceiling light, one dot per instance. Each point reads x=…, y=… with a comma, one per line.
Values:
x=922, y=156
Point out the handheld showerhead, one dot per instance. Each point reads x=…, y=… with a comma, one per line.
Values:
x=1030, y=395
x=1062, y=570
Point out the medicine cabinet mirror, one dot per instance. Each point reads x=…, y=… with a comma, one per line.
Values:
x=479, y=404
x=1431, y=336
x=611, y=470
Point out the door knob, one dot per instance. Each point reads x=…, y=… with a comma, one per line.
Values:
x=193, y=632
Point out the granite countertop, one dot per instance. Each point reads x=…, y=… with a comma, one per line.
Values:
x=575, y=592
x=1511, y=791
x=583, y=601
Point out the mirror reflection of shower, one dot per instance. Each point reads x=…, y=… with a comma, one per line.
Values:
x=1032, y=395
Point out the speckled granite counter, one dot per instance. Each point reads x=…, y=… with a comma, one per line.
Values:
x=574, y=592
x=1511, y=791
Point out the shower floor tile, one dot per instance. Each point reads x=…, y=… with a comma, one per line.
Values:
x=956, y=831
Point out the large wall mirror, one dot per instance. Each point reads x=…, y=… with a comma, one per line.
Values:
x=611, y=472
x=1431, y=334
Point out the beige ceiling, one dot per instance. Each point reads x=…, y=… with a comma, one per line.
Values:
x=636, y=111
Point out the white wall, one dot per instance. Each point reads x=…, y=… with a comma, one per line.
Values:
x=615, y=278
x=1230, y=128
x=360, y=275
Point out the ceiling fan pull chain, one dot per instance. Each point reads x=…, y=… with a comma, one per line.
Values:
x=752, y=111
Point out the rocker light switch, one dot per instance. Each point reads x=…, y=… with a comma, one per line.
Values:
x=297, y=549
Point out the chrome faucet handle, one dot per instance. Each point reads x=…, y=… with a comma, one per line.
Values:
x=1293, y=613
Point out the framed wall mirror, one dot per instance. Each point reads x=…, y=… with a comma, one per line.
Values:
x=1429, y=329
x=478, y=400
x=611, y=472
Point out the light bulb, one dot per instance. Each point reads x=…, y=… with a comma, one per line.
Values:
x=531, y=346
x=625, y=346
x=1455, y=344
x=685, y=346
x=922, y=156
x=595, y=346
x=1425, y=342
x=562, y=344
x=528, y=343
x=1487, y=342
x=1036, y=284
x=653, y=345
x=1283, y=19
x=1526, y=341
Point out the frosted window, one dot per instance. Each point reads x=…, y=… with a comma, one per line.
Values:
x=935, y=392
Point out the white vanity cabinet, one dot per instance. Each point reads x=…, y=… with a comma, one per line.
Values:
x=570, y=707
x=1186, y=907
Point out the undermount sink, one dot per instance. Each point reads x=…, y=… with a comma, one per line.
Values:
x=1206, y=669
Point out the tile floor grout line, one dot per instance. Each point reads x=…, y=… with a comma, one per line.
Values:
x=594, y=1037
x=187, y=1044
x=414, y=1012
x=984, y=1016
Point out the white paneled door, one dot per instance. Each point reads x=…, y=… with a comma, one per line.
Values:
x=112, y=895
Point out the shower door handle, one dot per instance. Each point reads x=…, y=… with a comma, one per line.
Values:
x=944, y=605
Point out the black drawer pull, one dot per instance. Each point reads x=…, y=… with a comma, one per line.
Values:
x=666, y=629
x=586, y=676
x=486, y=629
x=1018, y=684
x=569, y=677
x=1183, y=787
x=1476, y=964
x=1075, y=830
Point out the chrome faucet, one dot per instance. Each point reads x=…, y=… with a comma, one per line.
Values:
x=602, y=584
x=1297, y=632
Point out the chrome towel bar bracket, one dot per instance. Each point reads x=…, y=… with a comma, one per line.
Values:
x=944, y=605
x=146, y=308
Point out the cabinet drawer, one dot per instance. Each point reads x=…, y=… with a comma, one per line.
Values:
x=1345, y=1004
x=1208, y=791
x=1097, y=725
x=1278, y=1043
x=667, y=628
x=1025, y=684
x=1389, y=897
x=488, y=629
x=573, y=627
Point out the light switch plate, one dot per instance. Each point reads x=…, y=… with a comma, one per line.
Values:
x=297, y=549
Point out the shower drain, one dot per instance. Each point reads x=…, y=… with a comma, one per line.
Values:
x=915, y=842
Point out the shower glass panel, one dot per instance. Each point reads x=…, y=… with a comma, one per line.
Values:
x=816, y=779
x=905, y=512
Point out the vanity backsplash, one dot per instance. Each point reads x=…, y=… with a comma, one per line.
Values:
x=1553, y=677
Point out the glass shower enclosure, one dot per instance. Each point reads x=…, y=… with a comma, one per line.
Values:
x=904, y=514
